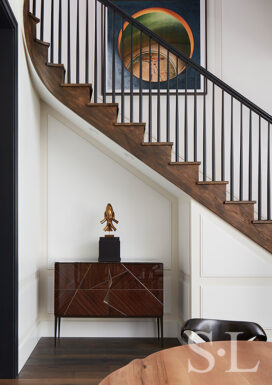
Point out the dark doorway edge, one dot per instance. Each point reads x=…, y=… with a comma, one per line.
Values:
x=8, y=192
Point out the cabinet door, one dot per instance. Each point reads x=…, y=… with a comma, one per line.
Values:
x=108, y=290
x=136, y=303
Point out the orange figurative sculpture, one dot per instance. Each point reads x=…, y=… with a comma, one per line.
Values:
x=109, y=217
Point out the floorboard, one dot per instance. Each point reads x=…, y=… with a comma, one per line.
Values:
x=83, y=361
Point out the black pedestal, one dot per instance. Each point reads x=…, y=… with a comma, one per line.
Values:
x=109, y=249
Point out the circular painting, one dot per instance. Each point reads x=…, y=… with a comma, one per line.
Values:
x=169, y=26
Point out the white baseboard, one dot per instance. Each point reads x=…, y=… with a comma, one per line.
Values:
x=27, y=344
x=109, y=328
x=269, y=334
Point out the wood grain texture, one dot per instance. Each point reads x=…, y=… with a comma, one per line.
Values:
x=83, y=361
x=108, y=289
x=170, y=367
x=130, y=137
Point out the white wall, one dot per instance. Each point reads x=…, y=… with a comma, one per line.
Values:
x=80, y=181
x=231, y=276
x=29, y=202
x=246, y=63
x=246, y=48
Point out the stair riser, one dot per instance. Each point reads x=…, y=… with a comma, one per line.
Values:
x=243, y=212
x=42, y=50
x=32, y=27
x=134, y=132
x=156, y=156
x=186, y=175
x=81, y=94
x=101, y=117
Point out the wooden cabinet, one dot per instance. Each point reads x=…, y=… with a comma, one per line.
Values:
x=108, y=290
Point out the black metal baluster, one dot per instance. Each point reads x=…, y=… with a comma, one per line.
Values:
x=213, y=133
x=186, y=118
x=150, y=96
x=159, y=98
x=223, y=139
x=113, y=56
x=250, y=158
x=34, y=8
x=268, y=176
x=231, y=154
x=260, y=172
x=77, y=47
x=104, y=55
x=60, y=32
x=122, y=78
x=95, y=53
x=177, y=111
x=168, y=101
x=69, y=42
x=141, y=80
x=204, y=140
x=195, y=119
x=87, y=44
x=241, y=155
x=131, y=74
x=52, y=33
x=42, y=20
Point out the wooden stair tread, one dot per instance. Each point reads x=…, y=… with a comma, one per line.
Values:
x=212, y=182
x=157, y=143
x=45, y=43
x=36, y=19
x=262, y=222
x=56, y=65
x=184, y=163
x=76, y=85
x=240, y=202
x=102, y=105
x=130, y=124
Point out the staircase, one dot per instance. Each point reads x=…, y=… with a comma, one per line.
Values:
x=183, y=147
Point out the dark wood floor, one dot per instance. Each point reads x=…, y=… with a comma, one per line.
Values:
x=83, y=361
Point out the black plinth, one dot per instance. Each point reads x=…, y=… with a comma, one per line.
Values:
x=109, y=249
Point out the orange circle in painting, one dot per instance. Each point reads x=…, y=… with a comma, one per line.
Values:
x=182, y=21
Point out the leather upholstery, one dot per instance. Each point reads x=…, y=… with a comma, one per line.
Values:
x=220, y=328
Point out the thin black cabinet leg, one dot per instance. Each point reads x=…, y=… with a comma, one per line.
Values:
x=59, y=320
x=158, y=326
x=56, y=328
x=161, y=331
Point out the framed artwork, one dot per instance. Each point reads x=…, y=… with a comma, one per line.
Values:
x=182, y=23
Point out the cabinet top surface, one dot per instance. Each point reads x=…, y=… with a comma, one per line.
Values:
x=110, y=263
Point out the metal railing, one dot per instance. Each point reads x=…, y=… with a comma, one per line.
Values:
x=208, y=121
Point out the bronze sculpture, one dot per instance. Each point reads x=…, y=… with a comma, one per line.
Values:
x=109, y=217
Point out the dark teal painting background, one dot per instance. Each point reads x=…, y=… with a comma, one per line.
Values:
x=187, y=9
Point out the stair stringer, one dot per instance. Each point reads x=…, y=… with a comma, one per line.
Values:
x=157, y=156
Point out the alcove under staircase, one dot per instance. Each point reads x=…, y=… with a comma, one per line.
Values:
x=183, y=146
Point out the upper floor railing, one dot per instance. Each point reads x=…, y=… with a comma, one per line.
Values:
x=154, y=82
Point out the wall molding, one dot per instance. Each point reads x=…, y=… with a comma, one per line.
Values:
x=28, y=280
x=236, y=287
x=231, y=233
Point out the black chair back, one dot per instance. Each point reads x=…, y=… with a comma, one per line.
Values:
x=219, y=330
